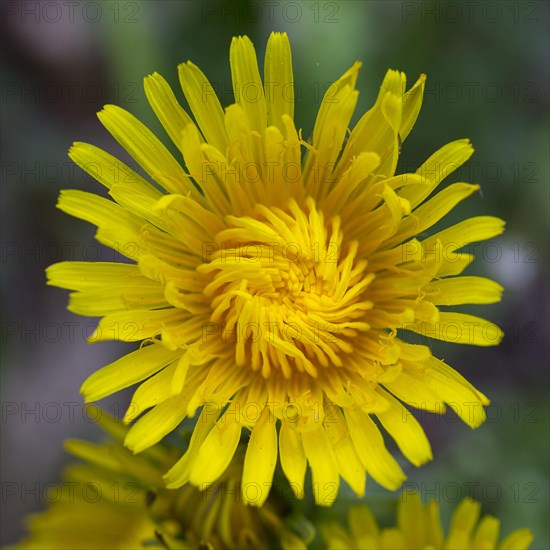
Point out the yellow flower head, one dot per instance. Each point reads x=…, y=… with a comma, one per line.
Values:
x=117, y=500
x=419, y=528
x=268, y=289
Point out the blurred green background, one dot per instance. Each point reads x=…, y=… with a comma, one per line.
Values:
x=487, y=66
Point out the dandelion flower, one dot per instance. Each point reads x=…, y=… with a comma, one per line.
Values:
x=272, y=294
x=114, y=499
x=419, y=527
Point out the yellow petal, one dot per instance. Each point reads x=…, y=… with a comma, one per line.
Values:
x=457, y=392
x=180, y=473
x=463, y=290
x=440, y=165
x=92, y=453
x=487, y=532
x=372, y=451
x=209, y=174
x=140, y=204
x=153, y=391
x=146, y=149
x=464, y=520
x=216, y=452
x=247, y=84
x=429, y=213
x=166, y=107
x=88, y=275
x=260, y=459
x=434, y=530
x=459, y=328
x=412, y=102
x=117, y=228
x=478, y=228
x=518, y=540
x=109, y=170
x=293, y=458
x=415, y=392
x=278, y=79
x=204, y=104
x=393, y=539
x=360, y=168
x=127, y=370
x=189, y=219
x=348, y=462
x=329, y=132
x=142, y=293
x=165, y=273
x=378, y=128
x=410, y=519
x=406, y=431
x=156, y=424
x=362, y=523
x=324, y=468
x=452, y=263
x=135, y=325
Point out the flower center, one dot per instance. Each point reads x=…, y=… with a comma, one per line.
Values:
x=286, y=290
